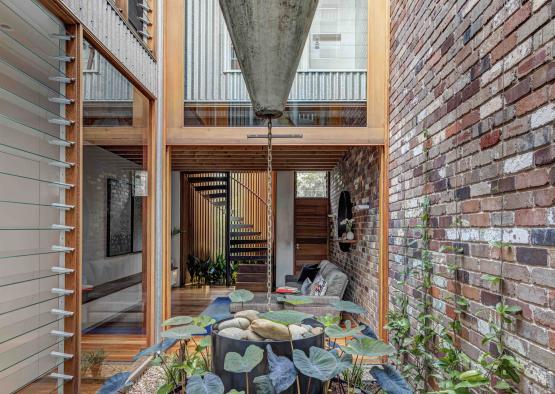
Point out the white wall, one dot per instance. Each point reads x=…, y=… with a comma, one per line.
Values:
x=285, y=222
x=176, y=218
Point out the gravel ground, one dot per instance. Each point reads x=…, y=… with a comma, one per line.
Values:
x=149, y=382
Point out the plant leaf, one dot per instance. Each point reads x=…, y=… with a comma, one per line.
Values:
x=282, y=371
x=348, y=306
x=295, y=299
x=178, y=321
x=390, y=380
x=320, y=364
x=336, y=331
x=368, y=347
x=159, y=347
x=286, y=316
x=241, y=295
x=369, y=333
x=183, y=333
x=233, y=391
x=203, y=321
x=328, y=320
x=115, y=383
x=234, y=362
x=209, y=384
x=263, y=385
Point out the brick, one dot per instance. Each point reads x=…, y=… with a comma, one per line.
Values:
x=503, y=185
x=470, y=119
x=543, y=75
x=535, y=178
x=469, y=91
x=531, y=62
x=447, y=44
x=530, y=217
x=543, y=116
x=516, y=272
x=493, y=105
x=489, y=299
x=544, y=236
x=462, y=193
x=517, y=18
x=545, y=156
x=518, y=163
x=544, y=198
x=544, y=317
x=471, y=292
x=543, y=277
x=490, y=139
x=531, y=102
x=532, y=256
x=519, y=90
x=470, y=206
x=531, y=294
x=503, y=48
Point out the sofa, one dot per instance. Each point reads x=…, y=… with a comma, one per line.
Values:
x=336, y=280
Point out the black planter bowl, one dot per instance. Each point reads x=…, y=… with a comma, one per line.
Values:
x=222, y=345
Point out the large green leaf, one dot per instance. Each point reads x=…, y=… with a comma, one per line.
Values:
x=209, y=384
x=336, y=331
x=178, y=321
x=329, y=320
x=368, y=347
x=241, y=295
x=203, y=321
x=263, y=385
x=233, y=391
x=183, y=333
x=116, y=383
x=320, y=364
x=348, y=306
x=282, y=371
x=295, y=300
x=234, y=362
x=390, y=380
x=286, y=316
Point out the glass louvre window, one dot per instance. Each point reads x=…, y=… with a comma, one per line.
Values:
x=114, y=212
x=330, y=87
x=311, y=184
x=32, y=197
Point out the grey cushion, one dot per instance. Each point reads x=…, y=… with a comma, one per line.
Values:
x=337, y=282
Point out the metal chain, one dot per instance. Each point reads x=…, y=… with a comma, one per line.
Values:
x=269, y=213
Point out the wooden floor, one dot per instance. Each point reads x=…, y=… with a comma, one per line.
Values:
x=192, y=300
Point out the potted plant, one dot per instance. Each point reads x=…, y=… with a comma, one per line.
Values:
x=93, y=361
x=349, y=223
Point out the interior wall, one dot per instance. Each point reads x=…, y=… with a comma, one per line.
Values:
x=358, y=173
x=285, y=221
x=98, y=166
x=176, y=223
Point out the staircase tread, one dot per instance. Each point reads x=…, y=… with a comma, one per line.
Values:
x=209, y=187
x=247, y=241
x=200, y=179
x=244, y=233
x=248, y=258
x=216, y=195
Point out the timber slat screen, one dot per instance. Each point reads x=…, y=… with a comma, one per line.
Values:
x=39, y=123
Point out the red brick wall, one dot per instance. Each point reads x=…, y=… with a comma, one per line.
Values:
x=478, y=76
x=358, y=173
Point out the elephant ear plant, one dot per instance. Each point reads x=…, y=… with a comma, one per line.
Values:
x=187, y=369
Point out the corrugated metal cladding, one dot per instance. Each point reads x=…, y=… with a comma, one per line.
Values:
x=104, y=22
x=207, y=80
x=106, y=84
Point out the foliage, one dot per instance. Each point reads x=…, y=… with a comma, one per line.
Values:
x=390, y=380
x=320, y=364
x=368, y=347
x=311, y=184
x=115, y=384
x=353, y=376
x=183, y=333
x=336, y=331
x=286, y=316
x=92, y=359
x=282, y=371
x=348, y=306
x=263, y=385
x=329, y=320
x=295, y=299
x=234, y=362
x=203, y=321
x=159, y=347
x=241, y=296
x=178, y=321
x=207, y=384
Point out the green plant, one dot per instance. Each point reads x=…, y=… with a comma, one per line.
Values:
x=236, y=363
x=93, y=360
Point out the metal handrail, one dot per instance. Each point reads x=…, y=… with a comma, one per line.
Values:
x=249, y=189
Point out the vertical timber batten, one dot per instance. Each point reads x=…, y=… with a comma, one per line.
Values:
x=73, y=217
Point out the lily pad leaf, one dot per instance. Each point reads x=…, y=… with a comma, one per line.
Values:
x=209, y=384
x=390, y=380
x=348, y=306
x=282, y=371
x=320, y=364
x=295, y=300
x=234, y=362
x=178, y=321
x=159, y=347
x=183, y=333
x=336, y=331
x=286, y=316
x=329, y=320
x=203, y=321
x=263, y=385
x=233, y=391
x=115, y=384
x=368, y=347
x=241, y=295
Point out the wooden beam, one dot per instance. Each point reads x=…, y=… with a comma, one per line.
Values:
x=115, y=135
x=311, y=136
x=377, y=79
x=174, y=62
x=73, y=217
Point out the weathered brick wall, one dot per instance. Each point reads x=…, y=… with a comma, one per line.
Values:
x=358, y=173
x=474, y=81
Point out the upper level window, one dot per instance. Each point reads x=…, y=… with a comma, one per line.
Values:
x=90, y=59
x=312, y=184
